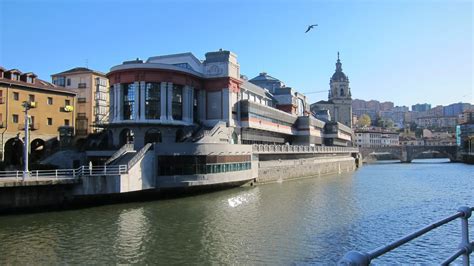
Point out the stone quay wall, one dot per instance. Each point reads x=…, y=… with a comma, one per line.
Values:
x=281, y=170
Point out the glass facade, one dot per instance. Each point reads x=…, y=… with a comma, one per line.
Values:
x=202, y=164
x=128, y=101
x=152, y=101
x=177, y=102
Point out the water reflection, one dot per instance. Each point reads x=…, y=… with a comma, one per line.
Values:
x=132, y=229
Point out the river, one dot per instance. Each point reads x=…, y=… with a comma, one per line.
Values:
x=307, y=221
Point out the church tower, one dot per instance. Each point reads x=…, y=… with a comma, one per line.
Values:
x=340, y=95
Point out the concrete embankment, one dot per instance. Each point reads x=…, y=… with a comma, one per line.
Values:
x=280, y=170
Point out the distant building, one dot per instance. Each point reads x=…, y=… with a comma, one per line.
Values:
x=423, y=107
x=54, y=111
x=455, y=109
x=339, y=101
x=437, y=122
x=92, y=88
x=375, y=137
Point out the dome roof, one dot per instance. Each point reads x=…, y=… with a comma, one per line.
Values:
x=339, y=75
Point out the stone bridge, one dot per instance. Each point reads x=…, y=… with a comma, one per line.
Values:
x=407, y=153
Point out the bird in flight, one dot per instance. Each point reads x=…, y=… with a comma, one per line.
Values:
x=310, y=27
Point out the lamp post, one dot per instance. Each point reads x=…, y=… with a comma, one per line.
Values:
x=27, y=106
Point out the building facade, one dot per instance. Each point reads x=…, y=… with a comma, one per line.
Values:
x=92, y=89
x=178, y=98
x=339, y=103
x=54, y=111
x=373, y=137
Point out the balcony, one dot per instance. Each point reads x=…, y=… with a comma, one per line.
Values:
x=82, y=85
x=33, y=126
x=81, y=100
x=66, y=109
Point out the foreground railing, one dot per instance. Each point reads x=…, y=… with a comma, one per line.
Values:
x=465, y=247
x=68, y=173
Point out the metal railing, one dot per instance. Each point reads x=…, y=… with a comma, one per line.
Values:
x=139, y=155
x=265, y=148
x=465, y=247
x=105, y=170
x=126, y=147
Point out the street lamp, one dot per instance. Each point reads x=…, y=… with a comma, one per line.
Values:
x=27, y=106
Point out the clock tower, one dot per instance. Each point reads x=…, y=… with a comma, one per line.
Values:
x=340, y=95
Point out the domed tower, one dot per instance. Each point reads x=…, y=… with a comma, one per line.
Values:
x=340, y=95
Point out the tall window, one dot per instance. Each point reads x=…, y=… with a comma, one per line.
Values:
x=50, y=121
x=50, y=100
x=152, y=101
x=177, y=100
x=31, y=98
x=16, y=96
x=67, y=102
x=15, y=119
x=128, y=101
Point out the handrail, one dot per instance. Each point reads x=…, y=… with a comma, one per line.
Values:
x=266, y=148
x=67, y=173
x=465, y=248
x=139, y=155
x=126, y=147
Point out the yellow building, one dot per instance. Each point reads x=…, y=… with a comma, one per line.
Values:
x=54, y=110
x=92, y=89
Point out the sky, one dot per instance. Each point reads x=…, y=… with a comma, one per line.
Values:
x=404, y=51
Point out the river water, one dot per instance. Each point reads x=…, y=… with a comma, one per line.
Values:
x=307, y=221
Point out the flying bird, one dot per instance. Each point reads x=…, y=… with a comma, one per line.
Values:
x=310, y=27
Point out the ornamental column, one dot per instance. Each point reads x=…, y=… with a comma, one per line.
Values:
x=169, y=101
x=136, y=103
x=163, y=101
x=142, y=100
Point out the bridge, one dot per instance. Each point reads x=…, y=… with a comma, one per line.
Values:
x=407, y=153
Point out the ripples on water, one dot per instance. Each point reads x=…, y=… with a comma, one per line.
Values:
x=308, y=221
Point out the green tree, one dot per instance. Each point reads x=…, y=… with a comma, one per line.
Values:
x=364, y=121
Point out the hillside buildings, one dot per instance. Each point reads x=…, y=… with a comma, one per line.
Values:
x=92, y=89
x=339, y=103
x=53, y=116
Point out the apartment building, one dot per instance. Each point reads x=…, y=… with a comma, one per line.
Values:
x=92, y=89
x=54, y=110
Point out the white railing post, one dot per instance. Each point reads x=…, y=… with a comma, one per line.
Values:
x=465, y=234
x=56, y=173
x=36, y=174
x=105, y=169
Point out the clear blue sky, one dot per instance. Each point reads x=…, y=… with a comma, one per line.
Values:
x=402, y=51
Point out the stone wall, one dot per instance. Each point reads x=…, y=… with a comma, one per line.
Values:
x=280, y=170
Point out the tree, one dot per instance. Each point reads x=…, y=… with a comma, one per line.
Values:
x=364, y=121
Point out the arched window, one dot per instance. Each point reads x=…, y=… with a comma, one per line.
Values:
x=126, y=136
x=179, y=135
x=342, y=91
x=153, y=136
